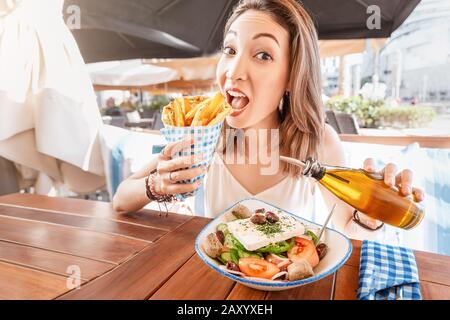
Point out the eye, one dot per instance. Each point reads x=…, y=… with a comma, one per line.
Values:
x=264, y=56
x=228, y=51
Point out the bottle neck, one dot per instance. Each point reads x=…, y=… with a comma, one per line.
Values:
x=314, y=169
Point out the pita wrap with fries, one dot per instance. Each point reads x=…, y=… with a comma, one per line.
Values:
x=200, y=117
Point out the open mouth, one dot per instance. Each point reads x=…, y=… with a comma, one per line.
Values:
x=238, y=101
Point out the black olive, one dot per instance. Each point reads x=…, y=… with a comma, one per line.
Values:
x=321, y=250
x=220, y=236
x=233, y=266
x=261, y=210
x=258, y=218
x=272, y=217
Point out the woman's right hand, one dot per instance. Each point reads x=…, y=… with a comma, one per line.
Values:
x=170, y=170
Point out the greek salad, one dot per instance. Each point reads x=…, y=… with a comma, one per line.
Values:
x=265, y=245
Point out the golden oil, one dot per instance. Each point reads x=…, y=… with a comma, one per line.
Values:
x=367, y=193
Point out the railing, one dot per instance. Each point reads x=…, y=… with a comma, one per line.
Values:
x=424, y=141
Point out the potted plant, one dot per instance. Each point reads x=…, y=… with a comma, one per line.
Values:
x=156, y=103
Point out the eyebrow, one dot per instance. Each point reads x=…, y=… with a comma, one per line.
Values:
x=256, y=36
x=271, y=36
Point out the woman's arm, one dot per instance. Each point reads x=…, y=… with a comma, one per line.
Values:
x=131, y=194
x=332, y=153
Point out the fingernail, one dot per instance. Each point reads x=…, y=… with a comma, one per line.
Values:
x=407, y=190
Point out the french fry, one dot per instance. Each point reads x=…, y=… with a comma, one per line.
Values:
x=226, y=110
x=196, y=123
x=186, y=105
x=178, y=113
x=196, y=111
x=188, y=102
x=191, y=114
x=188, y=122
x=198, y=120
x=197, y=99
x=167, y=115
x=213, y=108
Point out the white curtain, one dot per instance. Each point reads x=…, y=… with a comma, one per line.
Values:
x=48, y=109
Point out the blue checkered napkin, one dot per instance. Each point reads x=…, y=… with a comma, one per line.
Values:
x=387, y=273
x=205, y=143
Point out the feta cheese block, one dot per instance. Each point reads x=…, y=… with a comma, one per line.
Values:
x=254, y=236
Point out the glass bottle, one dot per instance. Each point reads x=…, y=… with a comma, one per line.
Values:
x=367, y=193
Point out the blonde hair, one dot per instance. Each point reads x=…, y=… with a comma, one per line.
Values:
x=302, y=116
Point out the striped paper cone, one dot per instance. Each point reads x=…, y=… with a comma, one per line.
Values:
x=205, y=143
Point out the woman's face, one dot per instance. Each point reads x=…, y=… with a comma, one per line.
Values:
x=253, y=71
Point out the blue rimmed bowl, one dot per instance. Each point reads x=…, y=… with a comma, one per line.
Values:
x=339, y=250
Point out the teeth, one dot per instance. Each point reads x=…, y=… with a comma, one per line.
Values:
x=236, y=94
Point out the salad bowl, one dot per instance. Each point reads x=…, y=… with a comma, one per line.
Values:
x=338, y=250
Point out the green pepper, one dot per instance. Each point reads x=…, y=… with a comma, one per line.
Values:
x=312, y=235
x=234, y=256
x=231, y=242
x=248, y=254
x=277, y=247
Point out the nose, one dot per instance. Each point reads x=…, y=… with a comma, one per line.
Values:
x=237, y=69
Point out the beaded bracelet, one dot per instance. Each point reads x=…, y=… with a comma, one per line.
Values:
x=361, y=224
x=153, y=196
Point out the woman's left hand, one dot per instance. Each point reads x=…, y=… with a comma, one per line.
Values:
x=402, y=180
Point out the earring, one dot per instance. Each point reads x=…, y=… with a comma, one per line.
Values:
x=280, y=105
x=284, y=100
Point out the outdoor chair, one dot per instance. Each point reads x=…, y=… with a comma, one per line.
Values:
x=347, y=123
x=118, y=121
x=9, y=182
x=157, y=121
x=134, y=120
x=332, y=121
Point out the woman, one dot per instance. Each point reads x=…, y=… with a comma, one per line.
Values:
x=270, y=73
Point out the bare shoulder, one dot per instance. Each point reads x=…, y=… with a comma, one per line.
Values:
x=332, y=150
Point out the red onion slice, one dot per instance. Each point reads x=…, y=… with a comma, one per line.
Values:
x=237, y=273
x=279, y=274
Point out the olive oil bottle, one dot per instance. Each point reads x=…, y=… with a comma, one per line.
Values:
x=367, y=193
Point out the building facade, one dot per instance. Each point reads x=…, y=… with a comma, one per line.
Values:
x=415, y=63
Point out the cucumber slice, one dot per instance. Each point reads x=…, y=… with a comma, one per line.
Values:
x=226, y=256
x=223, y=227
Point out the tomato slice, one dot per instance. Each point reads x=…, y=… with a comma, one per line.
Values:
x=259, y=268
x=304, y=249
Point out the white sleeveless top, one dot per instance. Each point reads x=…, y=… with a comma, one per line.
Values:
x=299, y=196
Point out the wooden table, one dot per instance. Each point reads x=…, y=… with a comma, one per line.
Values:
x=140, y=256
